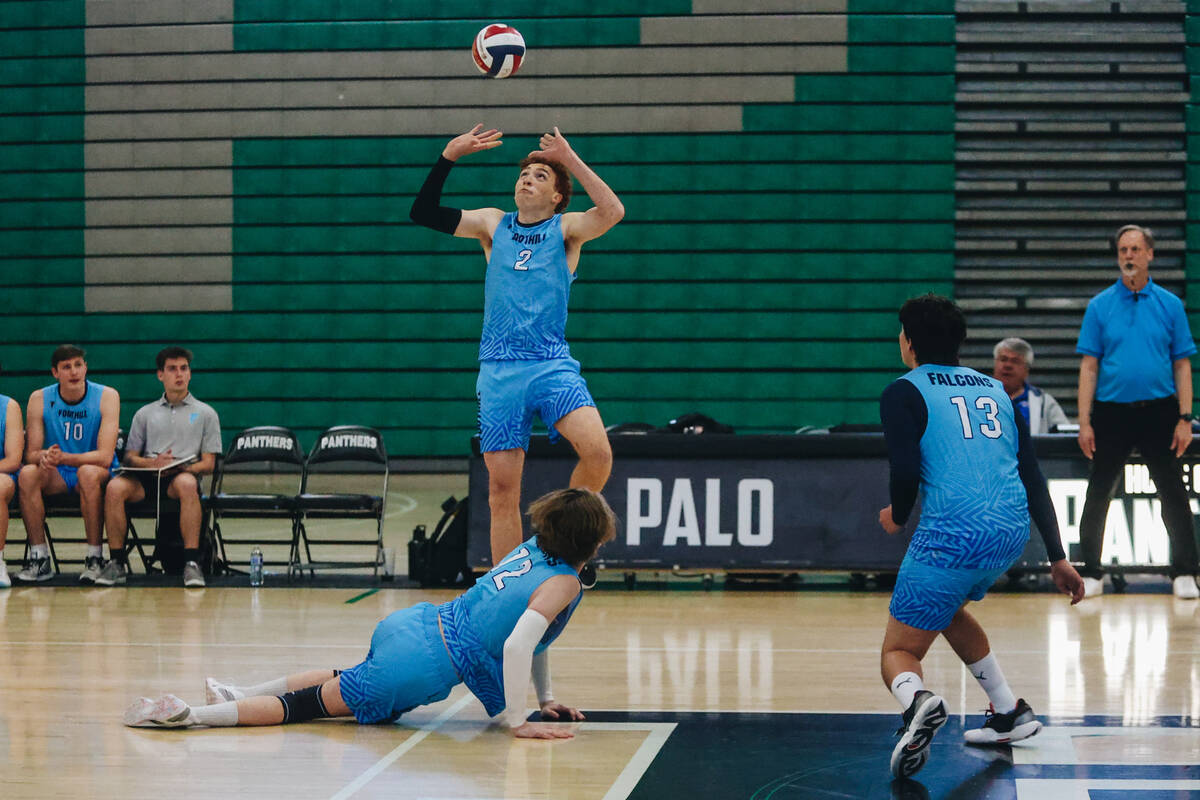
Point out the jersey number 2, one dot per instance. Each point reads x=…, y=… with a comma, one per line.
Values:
x=525, y=255
x=524, y=567
x=985, y=404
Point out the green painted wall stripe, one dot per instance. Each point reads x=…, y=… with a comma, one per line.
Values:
x=874, y=89
x=681, y=149
x=901, y=58
x=913, y=117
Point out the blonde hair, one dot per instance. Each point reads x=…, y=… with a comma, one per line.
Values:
x=572, y=523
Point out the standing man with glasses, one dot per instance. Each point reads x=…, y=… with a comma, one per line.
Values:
x=1135, y=390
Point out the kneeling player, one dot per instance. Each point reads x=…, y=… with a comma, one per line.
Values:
x=491, y=638
x=953, y=433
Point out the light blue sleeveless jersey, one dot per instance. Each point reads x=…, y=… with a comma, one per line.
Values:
x=478, y=622
x=74, y=428
x=525, y=293
x=974, y=511
x=4, y=399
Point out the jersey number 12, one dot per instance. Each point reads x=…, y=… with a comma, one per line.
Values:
x=524, y=567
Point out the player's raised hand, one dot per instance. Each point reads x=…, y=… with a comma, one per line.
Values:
x=472, y=141
x=1067, y=579
x=561, y=713
x=543, y=730
x=554, y=146
x=887, y=523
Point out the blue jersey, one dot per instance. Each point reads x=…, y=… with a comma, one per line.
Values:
x=478, y=622
x=4, y=401
x=525, y=293
x=974, y=509
x=74, y=427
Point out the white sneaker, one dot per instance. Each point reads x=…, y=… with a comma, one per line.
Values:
x=193, y=578
x=1093, y=587
x=217, y=692
x=5, y=581
x=167, y=711
x=1184, y=587
x=92, y=567
x=36, y=569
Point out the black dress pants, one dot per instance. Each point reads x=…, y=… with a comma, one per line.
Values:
x=1149, y=427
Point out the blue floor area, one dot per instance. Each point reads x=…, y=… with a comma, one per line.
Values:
x=735, y=756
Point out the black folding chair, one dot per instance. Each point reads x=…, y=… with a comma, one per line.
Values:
x=356, y=455
x=268, y=467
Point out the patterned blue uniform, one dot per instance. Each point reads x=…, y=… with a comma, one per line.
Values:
x=4, y=401
x=409, y=666
x=525, y=364
x=975, y=515
x=74, y=427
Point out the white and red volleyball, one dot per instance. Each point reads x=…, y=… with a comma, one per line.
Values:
x=498, y=50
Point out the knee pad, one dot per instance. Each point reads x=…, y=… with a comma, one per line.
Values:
x=303, y=705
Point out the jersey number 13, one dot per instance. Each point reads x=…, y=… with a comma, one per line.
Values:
x=990, y=427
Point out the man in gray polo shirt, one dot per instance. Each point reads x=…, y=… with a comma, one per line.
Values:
x=176, y=426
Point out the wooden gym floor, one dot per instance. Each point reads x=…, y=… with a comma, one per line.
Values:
x=737, y=695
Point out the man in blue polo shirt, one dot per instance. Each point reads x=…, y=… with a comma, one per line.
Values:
x=1135, y=390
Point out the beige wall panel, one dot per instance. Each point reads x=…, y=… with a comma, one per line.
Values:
x=157, y=240
x=159, y=39
x=150, y=12
x=177, y=297
x=158, y=182
x=742, y=29
x=161, y=211
x=131, y=155
x=159, y=269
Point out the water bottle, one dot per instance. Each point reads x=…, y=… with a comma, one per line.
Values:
x=256, y=566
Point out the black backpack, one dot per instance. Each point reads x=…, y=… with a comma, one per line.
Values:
x=168, y=546
x=441, y=558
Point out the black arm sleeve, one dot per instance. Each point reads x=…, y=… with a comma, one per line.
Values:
x=904, y=416
x=427, y=209
x=1041, y=509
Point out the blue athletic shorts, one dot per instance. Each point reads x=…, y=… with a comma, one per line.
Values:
x=511, y=392
x=407, y=666
x=928, y=597
x=70, y=475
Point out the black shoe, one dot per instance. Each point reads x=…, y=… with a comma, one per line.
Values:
x=924, y=716
x=587, y=575
x=1018, y=724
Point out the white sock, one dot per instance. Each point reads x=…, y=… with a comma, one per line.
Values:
x=95, y=551
x=905, y=687
x=39, y=550
x=219, y=715
x=987, y=671
x=272, y=688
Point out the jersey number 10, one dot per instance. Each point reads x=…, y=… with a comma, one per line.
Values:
x=990, y=429
x=76, y=428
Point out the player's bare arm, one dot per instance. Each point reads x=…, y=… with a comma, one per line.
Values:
x=35, y=432
x=14, y=439
x=427, y=208
x=607, y=210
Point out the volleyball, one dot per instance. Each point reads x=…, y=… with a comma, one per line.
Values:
x=498, y=50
